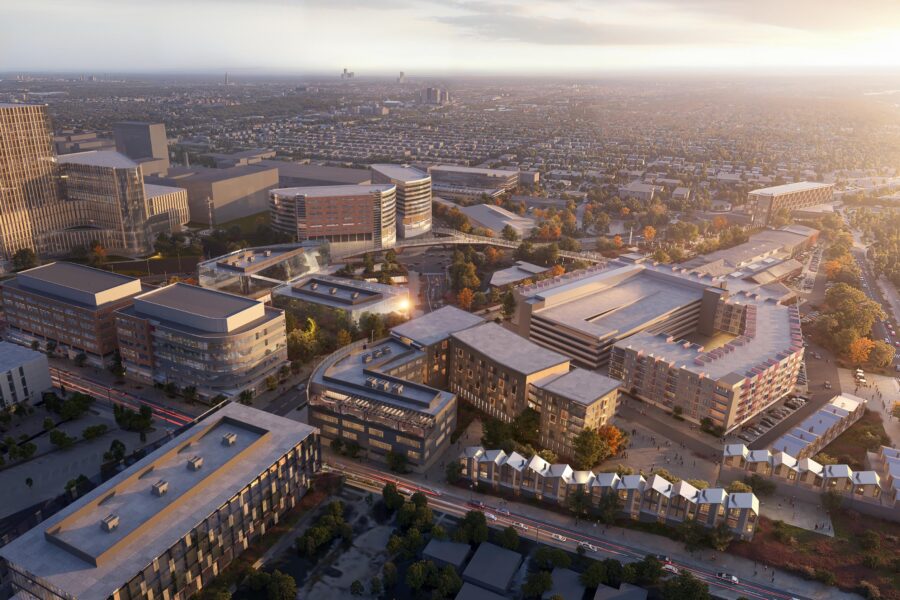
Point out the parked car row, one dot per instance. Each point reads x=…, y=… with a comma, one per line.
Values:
x=770, y=418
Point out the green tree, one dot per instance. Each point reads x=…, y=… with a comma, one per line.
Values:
x=536, y=584
x=281, y=586
x=356, y=588
x=548, y=558
x=453, y=472
x=29, y=482
x=509, y=234
x=246, y=397
x=608, y=508
x=508, y=538
x=509, y=304
x=396, y=462
x=375, y=586
x=389, y=574
x=594, y=575
x=685, y=587
x=737, y=487
x=417, y=574
x=720, y=536
x=882, y=354
x=24, y=259
x=393, y=499
x=473, y=528
x=590, y=449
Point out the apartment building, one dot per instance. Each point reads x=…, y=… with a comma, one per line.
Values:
x=349, y=217
x=653, y=499
x=413, y=197
x=191, y=336
x=749, y=360
x=169, y=524
x=570, y=403
x=765, y=203
x=372, y=396
x=24, y=375
x=67, y=308
x=494, y=370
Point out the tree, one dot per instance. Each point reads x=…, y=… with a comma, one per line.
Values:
x=590, y=449
x=508, y=538
x=557, y=270
x=343, y=338
x=596, y=574
x=453, y=472
x=881, y=355
x=246, y=397
x=608, y=508
x=685, y=587
x=617, y=241
x=473, y=528
x=737, y=487
x=832, y=501
x=649, y=233
x=115, y=453
x=375, y=586
x=189, y=393
x=29, y=482
x=859, y=350
x=720, y=536
x=509, y=304
x=614, y=437
x=24, y=259
x=579, y=502
x=509, y=233
x=548, y=558
x=465, y=298
x=647, y=571
x=389, y=574
x=448, y=583
x=356, y=588
x=281, y=586
x=393, y=499
x=60, y=439
x=417, y=574
x=536, y=584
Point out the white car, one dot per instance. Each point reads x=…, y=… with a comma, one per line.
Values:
x=670, y=568
x=728, y=577
x=490, y=517
x=559, y=538
x=589, y=547
x=521, y=526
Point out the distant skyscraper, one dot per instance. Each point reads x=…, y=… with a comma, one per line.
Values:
x=402, y=78
x=347, y=74
x=435, y=96
x=145, y=143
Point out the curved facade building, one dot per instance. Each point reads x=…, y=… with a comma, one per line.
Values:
x=349, y=217
x=413, y=197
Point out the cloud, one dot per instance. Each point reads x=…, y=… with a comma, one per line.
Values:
x=806, y=15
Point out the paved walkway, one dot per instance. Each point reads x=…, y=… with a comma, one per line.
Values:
x=880, y=395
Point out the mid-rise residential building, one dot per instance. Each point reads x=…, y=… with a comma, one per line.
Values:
x=349, y=217
x=28, y=181
x=413, y=197
x=67, y=309
x=169, y=524
x=220, y=343
x=373, y=397
x=145, y=143
x=652, y=499
x=765, y=203
x=341, y=295
x=24, y=375
x=473, y=177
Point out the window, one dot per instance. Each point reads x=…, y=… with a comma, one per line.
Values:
x=376, y=432
x=380, y=444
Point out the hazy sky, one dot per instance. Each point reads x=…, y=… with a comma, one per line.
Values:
x=441, y=36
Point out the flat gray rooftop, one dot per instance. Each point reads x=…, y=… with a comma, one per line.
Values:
x=508, y=349
x=334, y=191
x=492, y=566
x=14, y=355
x=790, y=188
x=152, y=190
x=63, y=550
x=205, y=174
x=400, y=172
x=436, y=326
x=469, y=591
x=474, y=170
x=76, y=277
x=98, y=158
x=496, y=218
x=196, y=300
x=580, y=385
x=318, y=174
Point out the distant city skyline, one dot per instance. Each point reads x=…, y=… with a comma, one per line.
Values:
x=425, y=37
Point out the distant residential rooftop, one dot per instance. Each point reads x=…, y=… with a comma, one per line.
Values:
x=435, y=326
x=790, y=188
x=400, y=172
x=14, y=355
x=76, y=283
x=509, y=349
x=98, y=158
x=333, y=191
x=72, y=552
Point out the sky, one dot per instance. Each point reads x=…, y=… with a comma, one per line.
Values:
x=436, y=37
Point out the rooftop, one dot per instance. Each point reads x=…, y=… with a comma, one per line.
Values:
x=71, y=551
x=76, y=283
x=478, y=170
x=436, y=326
x=492, y=566
x=318, y=173
x=580, y=385
x=566, y=583
x=519, y=271
x=334, y=191
x=469, y=591
x=790, y=188
x=197, y=174
x=452, y=553
x=14, y=355
x=201, y=309
x=496, y=218
x=98, y=158
x=508, y=349
x=400, y=172
x=338, y=292
x=152, y=190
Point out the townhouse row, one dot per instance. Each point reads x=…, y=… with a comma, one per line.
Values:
x=653, y=499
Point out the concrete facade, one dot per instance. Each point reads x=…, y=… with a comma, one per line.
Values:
x=24, y=375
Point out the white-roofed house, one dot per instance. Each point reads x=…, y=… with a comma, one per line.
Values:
x=811, y=472
x=631, y=491
x=838, y=478
x=655, y=503
x=512, y=471
x=533, y=482
x=489, y=465
x=785, y=466
x=743, y=511
x=556, y=482
x=736, y=455
x=683, y=502
x=867, y=484
x=603, y=484
x=469, y=461
x=711, y=506
x=580, y=480
x=759, y=461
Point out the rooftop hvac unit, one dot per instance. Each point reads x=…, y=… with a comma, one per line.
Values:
x=160, y=487
x=398, y=388
x=367, y=358
x=314, y=286
x=110, y=523
x=268, y=253
x=229, y=439
x=377, y=353
x=386, y=350
x=195, y=463
x=355, y=295
x=333, y=291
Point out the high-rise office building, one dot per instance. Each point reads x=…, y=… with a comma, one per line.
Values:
x=28, y=184
x=413, y=197
x=349, y=217
x=145, y=143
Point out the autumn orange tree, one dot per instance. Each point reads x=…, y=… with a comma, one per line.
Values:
x=649, y=233
x=617, y=241
x=465, y=298
x=614, y=438
x=557, y=270
x=859, y=350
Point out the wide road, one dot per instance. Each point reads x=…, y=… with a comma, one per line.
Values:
x=452, y=503
x=100, y=390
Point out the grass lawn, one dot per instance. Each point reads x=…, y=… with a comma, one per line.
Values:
x=866, y=434
x=847, y=555
x=247, y=224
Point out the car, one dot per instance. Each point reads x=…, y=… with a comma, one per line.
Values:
x=728, y=577
x=490, y=516
x=519, y=525
x=827, y=385
x=588, y=547
x=559, y=538
x=862, y=381
x=670, y=568
x=503, y=511
x=663, y=558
